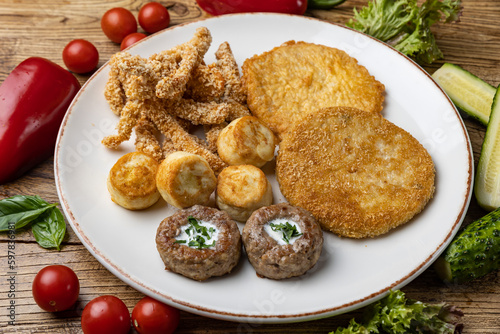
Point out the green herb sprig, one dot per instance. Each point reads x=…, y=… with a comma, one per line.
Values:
x=198, y=235
x=47, y=221
x=288, y=231
x=406, y=26
x=396, y=314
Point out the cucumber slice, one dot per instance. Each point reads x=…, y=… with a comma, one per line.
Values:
x=474, y=253
x=487, y=181
x=468, y=92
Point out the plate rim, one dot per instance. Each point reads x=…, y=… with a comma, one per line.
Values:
x=271, y=318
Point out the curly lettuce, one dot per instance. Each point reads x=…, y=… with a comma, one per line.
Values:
x=405, y=25
x=395, y=314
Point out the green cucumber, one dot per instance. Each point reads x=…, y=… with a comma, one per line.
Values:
x=474, y=253
x=487, y=181
x=468, y=92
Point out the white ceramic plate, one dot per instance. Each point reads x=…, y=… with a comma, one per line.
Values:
x=350, y=273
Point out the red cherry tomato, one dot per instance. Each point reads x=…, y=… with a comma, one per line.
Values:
x=131, y=39
x=80, y=56
x=221, y=7
x=117, y=23
x=106, y=314
x=150, y=316
x=153, y=17
x=56, y=288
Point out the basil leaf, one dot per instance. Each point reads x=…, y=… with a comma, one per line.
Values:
x=21, y=210
x=49, y=229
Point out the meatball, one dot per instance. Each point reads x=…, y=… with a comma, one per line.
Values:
x=282, y=241
x=199, y=242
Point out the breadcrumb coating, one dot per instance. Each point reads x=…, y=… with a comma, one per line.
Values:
x=146, y=140
x=199, y=112
x=114, y=92
x=174, y=85
x=212, y=133
x=207, y=84
x=297, y=77
x=229, y=69
x=167, y=146
x=170, y=93
x=363, y=174
x=184, y=141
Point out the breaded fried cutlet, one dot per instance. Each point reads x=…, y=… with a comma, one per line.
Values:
x=298, y=77
x=358, y=174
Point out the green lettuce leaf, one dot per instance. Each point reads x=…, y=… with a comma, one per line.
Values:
x=384, y=19
x=394, y=314
x=406, y=26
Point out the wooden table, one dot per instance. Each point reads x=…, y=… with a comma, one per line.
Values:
x=42, y=28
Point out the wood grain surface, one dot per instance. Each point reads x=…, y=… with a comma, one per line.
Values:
x=44, y=27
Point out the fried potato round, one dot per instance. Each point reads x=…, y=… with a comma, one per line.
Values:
x=298, y=77
x=359, y=174
x=241, y=190
x=246, y=141
x=185, y=179
x=132, y=181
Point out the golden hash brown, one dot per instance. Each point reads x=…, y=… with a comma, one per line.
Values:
x=363, y=174
x=298, y=77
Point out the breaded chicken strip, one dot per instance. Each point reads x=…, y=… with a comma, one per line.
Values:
x=357, y=173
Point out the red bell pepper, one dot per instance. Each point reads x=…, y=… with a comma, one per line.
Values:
x=33, y=101
x=220, y=7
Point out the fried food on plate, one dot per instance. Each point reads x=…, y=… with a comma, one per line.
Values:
x=183, y=141
x=199, y=112
x=241, y=190
x=246, y=141
x=299, y=77
x=229, y=70
x=146, y=140
x=359, y=174
x=184, y=179
x=136, y=77
x=174, y=85
x=172, y=92
x=132, y=181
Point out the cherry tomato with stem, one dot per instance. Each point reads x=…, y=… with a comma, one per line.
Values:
x=150, y=316
x=221, y=7
x=117, y=23
x=153, y=17
x=56, y=288
x=131, y=39
x=105, y=314
x=80, y=56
